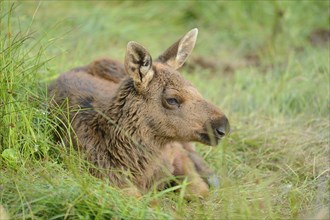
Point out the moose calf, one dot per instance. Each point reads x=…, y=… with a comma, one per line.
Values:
x=135, y=121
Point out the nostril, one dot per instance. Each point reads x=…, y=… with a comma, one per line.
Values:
x=220, y=127
x=221, y=131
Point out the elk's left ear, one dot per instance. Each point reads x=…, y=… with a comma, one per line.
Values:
x=138, y=64
x=177, y=54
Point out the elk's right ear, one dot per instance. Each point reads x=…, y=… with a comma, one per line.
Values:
x=138, y=65
x=177, y=54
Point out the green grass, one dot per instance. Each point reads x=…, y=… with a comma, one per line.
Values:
x=275, y=164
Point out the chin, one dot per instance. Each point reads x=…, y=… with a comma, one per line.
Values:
x=208, y=140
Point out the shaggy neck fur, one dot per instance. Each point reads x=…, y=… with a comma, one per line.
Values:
x=129, y=143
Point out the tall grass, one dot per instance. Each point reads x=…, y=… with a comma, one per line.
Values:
x=275, y=163
x=21, y=113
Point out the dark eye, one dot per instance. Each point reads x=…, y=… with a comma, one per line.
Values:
x=172, y=101
x=145, y=63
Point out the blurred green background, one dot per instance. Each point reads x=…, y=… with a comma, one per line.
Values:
x=264, y=63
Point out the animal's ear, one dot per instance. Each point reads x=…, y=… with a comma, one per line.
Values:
x=177, y=54
x=138, y=65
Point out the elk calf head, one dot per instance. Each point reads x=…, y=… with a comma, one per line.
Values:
x=174, y=109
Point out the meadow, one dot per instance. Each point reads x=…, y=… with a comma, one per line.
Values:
x=264, y=63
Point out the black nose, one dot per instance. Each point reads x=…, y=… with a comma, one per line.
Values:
x=222, y=128
x=221, y=131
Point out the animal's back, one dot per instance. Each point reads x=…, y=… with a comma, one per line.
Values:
x=95, y=83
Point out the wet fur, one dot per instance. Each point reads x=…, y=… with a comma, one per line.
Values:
x=120, y=131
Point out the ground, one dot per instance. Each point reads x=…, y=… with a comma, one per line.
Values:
x=264, y=63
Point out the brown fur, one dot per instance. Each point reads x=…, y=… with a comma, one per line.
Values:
x=135, y=120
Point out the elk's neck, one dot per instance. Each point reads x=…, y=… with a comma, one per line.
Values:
x=127, y=137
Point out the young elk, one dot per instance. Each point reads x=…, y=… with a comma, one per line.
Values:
x=135, y=121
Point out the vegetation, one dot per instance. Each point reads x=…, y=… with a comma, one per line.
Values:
x=266, y=64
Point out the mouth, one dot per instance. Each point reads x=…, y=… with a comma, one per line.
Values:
x=209, y=139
